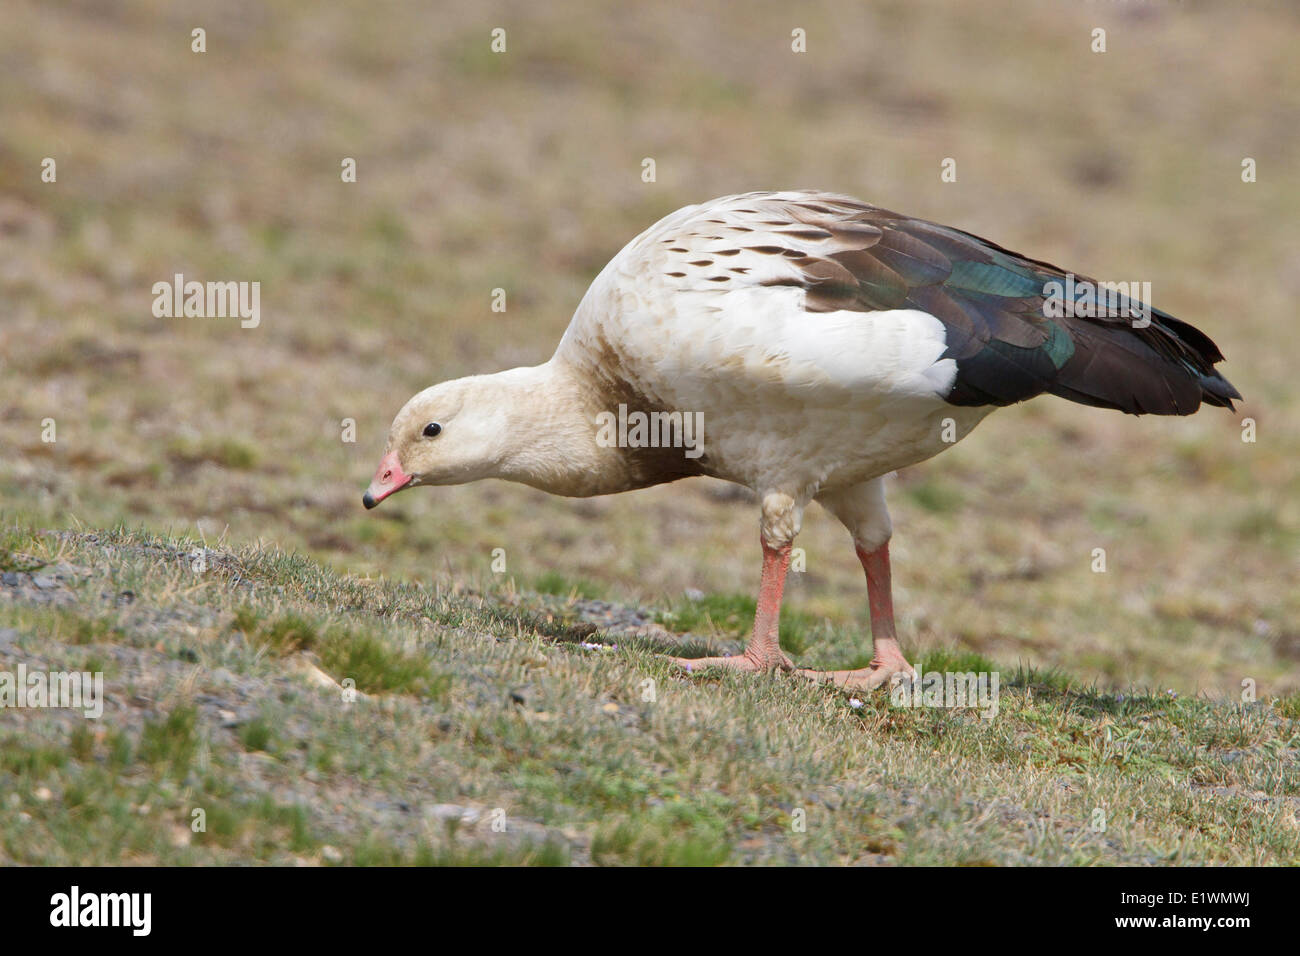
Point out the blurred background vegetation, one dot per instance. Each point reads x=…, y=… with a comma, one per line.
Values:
x=523, y=171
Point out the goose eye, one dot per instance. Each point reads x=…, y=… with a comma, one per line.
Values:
x=432, y=429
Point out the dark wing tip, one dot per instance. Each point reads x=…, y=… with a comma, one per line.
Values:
x=1217, y=390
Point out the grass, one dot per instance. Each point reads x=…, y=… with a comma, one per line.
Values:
x=172, y=742
x=229, y=453
x=12, y=544
x=732, y=616
x=475, y=709
x=658, y=842
x=372, y=666
x=377, y=668
x=257, y=734
x=552, y=582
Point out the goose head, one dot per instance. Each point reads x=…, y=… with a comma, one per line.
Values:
x=448, y=434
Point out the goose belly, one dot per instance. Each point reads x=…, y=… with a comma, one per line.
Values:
x=804, y=449
x=788, y=397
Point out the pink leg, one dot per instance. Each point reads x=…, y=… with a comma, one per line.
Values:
x=887, y=657
x=763, y=653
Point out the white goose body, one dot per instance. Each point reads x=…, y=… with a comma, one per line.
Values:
x=790, y=400
x=821, y=342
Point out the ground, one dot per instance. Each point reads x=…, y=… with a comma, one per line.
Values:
x=552, y=730
x=522, y=171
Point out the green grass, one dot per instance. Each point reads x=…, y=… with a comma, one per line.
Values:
x=377, y=668
x=376, y=853
x=13, y=544
x=732, y=616
x=936, y=497
x=489, y=705
x=657, y=842
x=171, y=743
x=373, y=666
x=257, y=734
x=554, y=583
x=282, y=634
x=231, y=453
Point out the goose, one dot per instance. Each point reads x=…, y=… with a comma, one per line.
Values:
x=814, y=344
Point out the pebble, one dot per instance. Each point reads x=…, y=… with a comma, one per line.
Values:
x=453, y=811
x=331, y=854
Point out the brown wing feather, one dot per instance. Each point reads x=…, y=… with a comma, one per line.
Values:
x=992, y=303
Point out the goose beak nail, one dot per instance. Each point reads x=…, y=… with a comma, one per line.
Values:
x=389, y=477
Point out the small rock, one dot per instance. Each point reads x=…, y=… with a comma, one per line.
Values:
x=331, y=854
x=610, y=708
x=453, y=811
x=43, y=794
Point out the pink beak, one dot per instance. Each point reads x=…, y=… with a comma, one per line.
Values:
x=389, y=477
